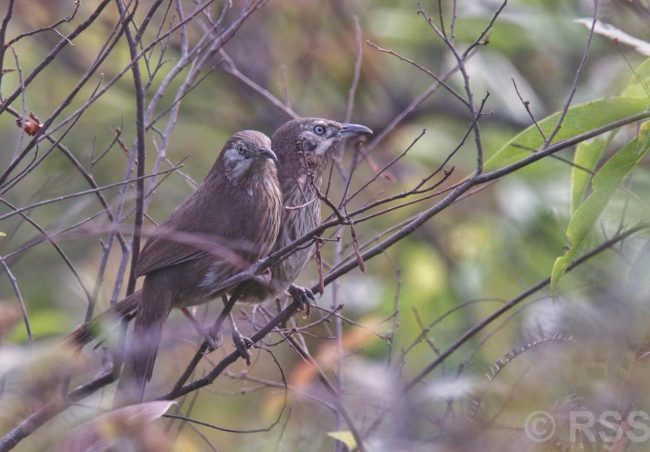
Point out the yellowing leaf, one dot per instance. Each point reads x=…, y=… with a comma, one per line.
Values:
x=329, y=353
x=2, y=234
x=346, y=437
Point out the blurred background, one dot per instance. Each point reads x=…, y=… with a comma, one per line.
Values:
x=582, y=348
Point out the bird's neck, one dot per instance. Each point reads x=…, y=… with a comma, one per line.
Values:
x=310, y=181
x=248, y=179
x=259, y=183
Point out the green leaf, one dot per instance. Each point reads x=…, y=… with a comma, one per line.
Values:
x=587, y=156
x=346, y=437
x=605, y=182
x=579, y=119
x=639, y=85
x=2, y=234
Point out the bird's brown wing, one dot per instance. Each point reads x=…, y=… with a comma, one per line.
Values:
x=161, y=250
x=165, y=253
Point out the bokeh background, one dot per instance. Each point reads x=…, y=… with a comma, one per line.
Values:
x=581, y=348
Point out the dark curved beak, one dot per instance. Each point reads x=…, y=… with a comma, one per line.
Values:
x=266, y=152
x=354, y=129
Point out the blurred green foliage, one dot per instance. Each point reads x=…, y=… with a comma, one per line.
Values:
x=481, y=251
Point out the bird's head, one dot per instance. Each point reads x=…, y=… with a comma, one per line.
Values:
x=247, y=154
x=307, y=143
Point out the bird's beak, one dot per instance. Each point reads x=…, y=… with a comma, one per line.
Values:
x=354, y=129
x=266, y=152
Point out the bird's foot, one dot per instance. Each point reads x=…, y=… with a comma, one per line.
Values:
x=213, y=341
x=303, y=296
x=242, y=344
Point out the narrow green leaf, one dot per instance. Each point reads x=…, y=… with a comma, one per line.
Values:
x=606, y=181
x=586, y=158
x=346, y=437
x=579, y=119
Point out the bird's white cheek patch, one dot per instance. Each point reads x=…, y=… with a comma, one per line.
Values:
x=242, y=168
x=232, y=155
x=238, y=165
x=323, y=147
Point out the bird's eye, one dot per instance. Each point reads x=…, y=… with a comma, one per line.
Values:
x=319, y=130
x=241, y=149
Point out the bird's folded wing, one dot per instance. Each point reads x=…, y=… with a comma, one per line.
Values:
x=197, y=229
x=161, y=253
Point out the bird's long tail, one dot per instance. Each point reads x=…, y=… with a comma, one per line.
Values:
x=123, y=309
x=141, y=350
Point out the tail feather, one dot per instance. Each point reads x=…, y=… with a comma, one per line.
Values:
x=141, y=351
x=88, y=331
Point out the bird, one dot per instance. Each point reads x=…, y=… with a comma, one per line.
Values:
x=304, y=147
x=231, y=220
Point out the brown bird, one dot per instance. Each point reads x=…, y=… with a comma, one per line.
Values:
x=304, y=147
x=229, y=222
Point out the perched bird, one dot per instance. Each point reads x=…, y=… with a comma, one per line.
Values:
x=230, y=221
x=304, y=147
